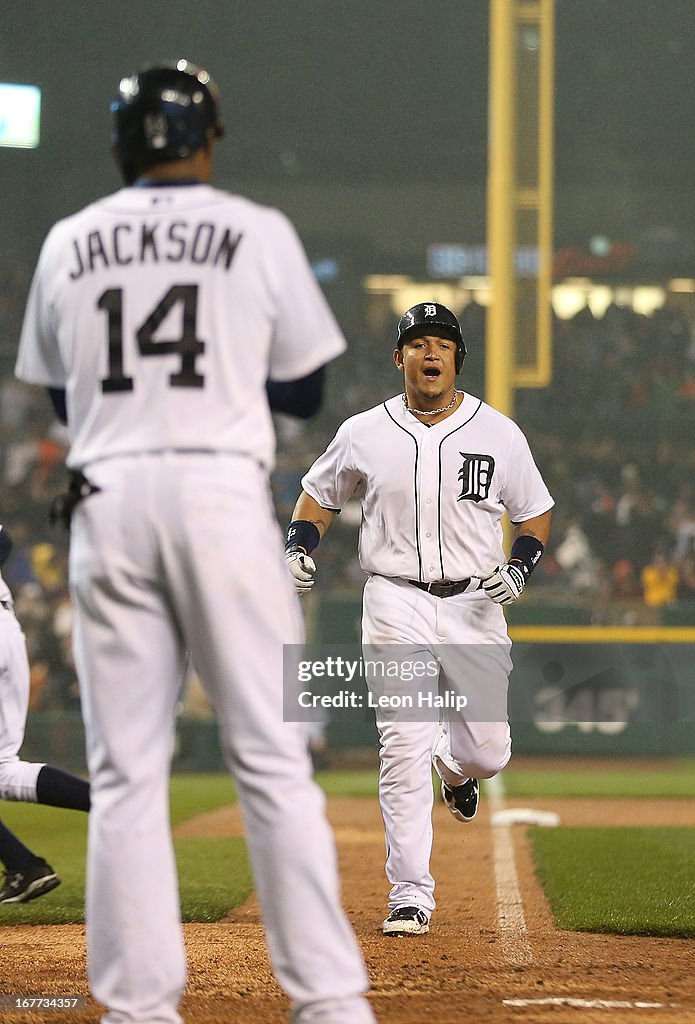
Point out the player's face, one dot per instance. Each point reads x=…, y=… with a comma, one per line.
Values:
x=429, y=366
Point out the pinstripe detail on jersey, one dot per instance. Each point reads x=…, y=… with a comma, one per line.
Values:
x=439, y=490
x=417, y=502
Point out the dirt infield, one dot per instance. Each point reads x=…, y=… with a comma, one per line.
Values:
x=466, y=970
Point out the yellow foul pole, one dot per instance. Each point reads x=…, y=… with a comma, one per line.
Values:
x=520, y=197
x=500, y=208
x=546, y=151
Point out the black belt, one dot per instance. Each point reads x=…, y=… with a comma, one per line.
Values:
x=449, y=589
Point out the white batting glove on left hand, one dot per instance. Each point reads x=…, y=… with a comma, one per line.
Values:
x=302, y=569
x=504, y=583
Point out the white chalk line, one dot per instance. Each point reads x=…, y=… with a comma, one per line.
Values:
x=591, y=1004
x=511, y=921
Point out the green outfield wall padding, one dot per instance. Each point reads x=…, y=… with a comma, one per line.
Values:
x=681, y=613
x=527, y=614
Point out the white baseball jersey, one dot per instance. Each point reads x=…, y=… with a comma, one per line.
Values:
x=17, y=778
x=432, y=496
x=156, y=365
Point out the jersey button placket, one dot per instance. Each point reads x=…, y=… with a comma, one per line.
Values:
x=428, y=510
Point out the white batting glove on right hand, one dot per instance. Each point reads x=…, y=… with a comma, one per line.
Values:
x=302, y=569
x=504, y=583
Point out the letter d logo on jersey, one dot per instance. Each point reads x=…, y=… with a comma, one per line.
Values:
x=476, y=477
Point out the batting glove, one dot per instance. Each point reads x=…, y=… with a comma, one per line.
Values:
x=504, y=583
x=302, y=569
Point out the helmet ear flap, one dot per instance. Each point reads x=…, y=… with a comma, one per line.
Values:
x=461, y=353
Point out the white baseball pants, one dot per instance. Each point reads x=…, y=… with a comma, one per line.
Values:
x=181, y=551
x=469, y=634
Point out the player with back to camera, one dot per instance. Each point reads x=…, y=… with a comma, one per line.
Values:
x=434, y=470
x=27, y=875
x=156, y=317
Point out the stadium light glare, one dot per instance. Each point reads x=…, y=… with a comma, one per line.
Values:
x=20, y=115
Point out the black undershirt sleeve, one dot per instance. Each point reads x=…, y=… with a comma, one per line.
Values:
x=300, y=397
x=57, y=397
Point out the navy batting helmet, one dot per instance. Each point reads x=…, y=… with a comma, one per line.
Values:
x=163, y=112
x=433, y=318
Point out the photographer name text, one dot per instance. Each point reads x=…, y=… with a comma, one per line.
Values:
x=350, y=699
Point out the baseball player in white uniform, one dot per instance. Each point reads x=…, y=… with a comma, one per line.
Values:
x=27, y=875
x=434, y=470
x=157, y=315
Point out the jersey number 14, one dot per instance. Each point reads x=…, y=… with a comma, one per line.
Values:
x=188, y=346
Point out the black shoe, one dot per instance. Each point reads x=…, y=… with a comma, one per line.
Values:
x=462, y=800
x=406, y=921
x=29, y=883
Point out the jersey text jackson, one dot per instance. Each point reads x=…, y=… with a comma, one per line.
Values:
x=173, y=242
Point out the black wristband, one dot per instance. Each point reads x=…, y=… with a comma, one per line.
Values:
x=528, y=551
x=302, y=534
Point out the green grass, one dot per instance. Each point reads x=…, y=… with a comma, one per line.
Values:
x=677, y=780
x=61, y=837
x=357, y=783
x=624, y=881
x=214, y=877
x=194, y=794
x=629, y=881
x=214, y=874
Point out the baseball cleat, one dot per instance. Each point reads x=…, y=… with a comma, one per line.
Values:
x=462, y=800
x=29, y=883
x=406, y=921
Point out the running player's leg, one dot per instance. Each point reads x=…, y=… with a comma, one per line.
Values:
x=389, y=632
x=405, y=799
x=27, y=876
x=474, y=742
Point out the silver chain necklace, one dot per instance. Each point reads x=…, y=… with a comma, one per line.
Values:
x=431, y=412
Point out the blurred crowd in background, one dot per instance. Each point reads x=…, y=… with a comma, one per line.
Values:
x=613, y=436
